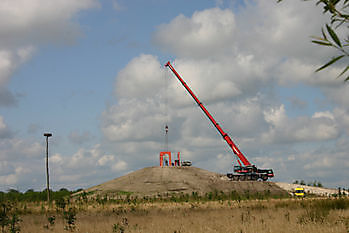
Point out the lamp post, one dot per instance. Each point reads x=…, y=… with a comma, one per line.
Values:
x=47, y=135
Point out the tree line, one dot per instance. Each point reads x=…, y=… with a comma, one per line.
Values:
x=34, y=196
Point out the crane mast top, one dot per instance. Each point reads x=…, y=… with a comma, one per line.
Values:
x=225, y=136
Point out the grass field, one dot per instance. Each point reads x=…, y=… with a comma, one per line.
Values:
x=272, y=215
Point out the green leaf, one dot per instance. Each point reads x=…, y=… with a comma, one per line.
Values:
x=322, y=43
x=323, y=34
x=333, y=35
x=345, y=70
x=330, y=63
x=319, y=38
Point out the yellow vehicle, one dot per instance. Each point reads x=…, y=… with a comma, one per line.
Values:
x=299, y=192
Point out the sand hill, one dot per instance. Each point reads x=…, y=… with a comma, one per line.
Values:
x=161, y=180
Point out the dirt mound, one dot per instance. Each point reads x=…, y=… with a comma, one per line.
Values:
x=161, y=180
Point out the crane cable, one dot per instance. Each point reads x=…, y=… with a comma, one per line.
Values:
x=166, y=88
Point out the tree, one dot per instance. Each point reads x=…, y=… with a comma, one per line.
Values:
x=338, y=10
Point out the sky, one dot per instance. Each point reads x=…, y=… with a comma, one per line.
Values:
x=91, y=72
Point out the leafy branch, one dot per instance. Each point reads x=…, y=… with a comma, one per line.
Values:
x=338, y=9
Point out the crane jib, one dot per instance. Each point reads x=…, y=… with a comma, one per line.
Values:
x=213, y=121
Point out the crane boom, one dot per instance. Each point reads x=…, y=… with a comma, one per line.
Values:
x=214, y=122
x=246, y=172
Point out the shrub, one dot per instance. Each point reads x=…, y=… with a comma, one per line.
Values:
x=9, y=218
x=70, y=218
x=5, y=208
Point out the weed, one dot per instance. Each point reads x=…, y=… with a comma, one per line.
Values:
x=14, y=223
x=60, y=204
x=51, y=222
x=121, y=226
x=9, y=218
x=119, y=210
x=336, y=204
x=118, y=228
x=258, y=206
x=5, y=215
x=124, y=221
x=314, y=215
x=70, y=219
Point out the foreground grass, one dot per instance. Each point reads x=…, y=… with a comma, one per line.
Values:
x=273, y=215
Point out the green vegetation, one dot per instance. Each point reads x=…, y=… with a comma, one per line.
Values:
x=314, y=183
x=126, y=213
x=128, y=198
x=9, y=218
x=339, y=15
x=33, y=196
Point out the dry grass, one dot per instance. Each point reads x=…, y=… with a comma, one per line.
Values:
x=215, y=216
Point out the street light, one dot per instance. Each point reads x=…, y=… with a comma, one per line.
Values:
x=47, y=135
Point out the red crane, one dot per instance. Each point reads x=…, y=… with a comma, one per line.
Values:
x=245, y=172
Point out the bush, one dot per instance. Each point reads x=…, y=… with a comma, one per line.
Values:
x=70, y=219
x=9, y=218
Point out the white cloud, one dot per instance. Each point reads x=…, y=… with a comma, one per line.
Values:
x=25, y=25
x=343, y=117
x=105, y=159
x=38, y=21
x=120, y=166
x=283, y=30
x=56, y=158
x=14, y=177
x=14, y=148
x=206, y=33
x=133, y=120
x=142, y=78
x=9, y=179
x=11, y=59
x=276, y=116
x=325, y=114
x=320, y=127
